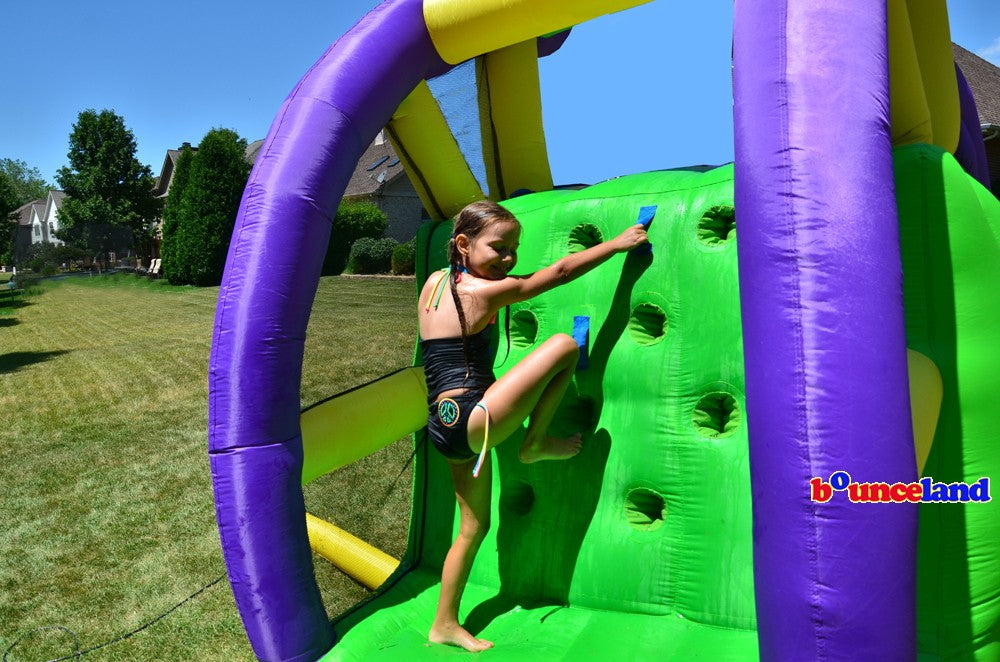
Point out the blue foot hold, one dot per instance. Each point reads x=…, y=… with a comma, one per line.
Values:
x=581, y=334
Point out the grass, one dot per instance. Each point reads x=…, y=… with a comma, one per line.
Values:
x=107, y=507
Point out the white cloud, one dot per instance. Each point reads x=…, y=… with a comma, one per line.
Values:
x=991, y=52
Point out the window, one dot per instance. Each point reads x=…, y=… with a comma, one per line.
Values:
x=38, y=230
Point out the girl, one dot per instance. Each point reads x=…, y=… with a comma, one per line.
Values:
x=470, y=411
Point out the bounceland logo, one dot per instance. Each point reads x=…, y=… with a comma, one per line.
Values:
x=924, y=490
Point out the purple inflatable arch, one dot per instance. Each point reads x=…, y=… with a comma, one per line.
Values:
x=273, y=268
x=821, y=284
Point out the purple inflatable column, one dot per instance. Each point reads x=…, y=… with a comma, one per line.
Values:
x=971, y=152
x=275, y=258
x=823, y=329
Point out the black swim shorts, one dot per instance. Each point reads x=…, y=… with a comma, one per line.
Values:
x=447, y=424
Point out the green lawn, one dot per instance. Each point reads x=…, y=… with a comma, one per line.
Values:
x=106, y=511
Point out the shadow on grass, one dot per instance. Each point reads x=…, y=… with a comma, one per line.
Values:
x=14, y=361
x=13, y=304
x=9, y=321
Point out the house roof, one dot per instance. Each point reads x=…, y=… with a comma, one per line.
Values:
x=162, y=184
x=23, y=213
x=377, y=167
x=984, y=81
x=54, y=199
x=252, y=150
x=38, y=209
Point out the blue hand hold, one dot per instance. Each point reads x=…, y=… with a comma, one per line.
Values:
x=646, y=215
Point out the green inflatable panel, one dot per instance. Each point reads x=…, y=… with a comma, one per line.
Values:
x=642, y=543
x=640, y=547
x=950, y=236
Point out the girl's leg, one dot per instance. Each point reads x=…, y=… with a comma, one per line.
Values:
x=474, y=521
x=532, y=390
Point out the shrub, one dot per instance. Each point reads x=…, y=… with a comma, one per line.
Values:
x=207, y=212
x=371, y=256
x=354, y=220
x=175, y=266
x=404, y=258
x=45, y=254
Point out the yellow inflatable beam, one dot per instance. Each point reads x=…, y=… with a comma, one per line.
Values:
x=911, y=118
x=431, y=157
x=926, y=393
x=364, y=563
x=357, y=423
x=932, y=41
x=510, y=115
x=462, y=29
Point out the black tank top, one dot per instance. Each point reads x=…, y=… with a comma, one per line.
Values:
x=444, y=363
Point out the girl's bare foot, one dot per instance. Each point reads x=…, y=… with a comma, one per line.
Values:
x=456, y=635
x=550, y=448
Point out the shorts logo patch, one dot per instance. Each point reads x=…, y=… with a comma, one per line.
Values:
x=448, y=412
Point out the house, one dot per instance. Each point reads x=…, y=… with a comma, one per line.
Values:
x=161, y=187
x=44, y=218
x=379, y=178
x=50, y=218
x=984, y=81
x=23, y=237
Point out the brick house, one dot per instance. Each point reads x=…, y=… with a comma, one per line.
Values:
x=379, y=178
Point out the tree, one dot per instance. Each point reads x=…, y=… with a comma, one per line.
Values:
x=8, y=229
x=109, y=194
x=208, y=208
x=174, y=261
x=26, y=182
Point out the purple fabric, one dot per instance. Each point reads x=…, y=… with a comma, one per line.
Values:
x=823, y=329
x=273, y=268
x=971, y=152
x=549, y=45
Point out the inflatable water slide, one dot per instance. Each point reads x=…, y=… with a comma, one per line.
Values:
x=788, y=443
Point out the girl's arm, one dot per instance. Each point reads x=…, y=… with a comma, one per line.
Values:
x=519, y=288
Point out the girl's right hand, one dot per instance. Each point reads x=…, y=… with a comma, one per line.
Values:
x=632, y=237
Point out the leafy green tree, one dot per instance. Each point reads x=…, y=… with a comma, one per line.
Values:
x=8, y=227
x=26, y=182
x=174, y=260
x=354, y=220
x=208, y=208
x=109, y=203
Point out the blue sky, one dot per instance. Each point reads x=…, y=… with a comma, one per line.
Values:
x=645, y=89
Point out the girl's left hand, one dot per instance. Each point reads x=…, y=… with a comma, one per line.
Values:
x=634, y=236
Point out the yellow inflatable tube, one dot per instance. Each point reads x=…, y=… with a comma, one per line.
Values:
x=911, y=118
x=510, y=113
x=461, y=29
x=932, y=39
x=355, y=424
x=431, y=157
x=365, y=564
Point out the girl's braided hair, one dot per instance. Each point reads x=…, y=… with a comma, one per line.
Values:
x=471, y=222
